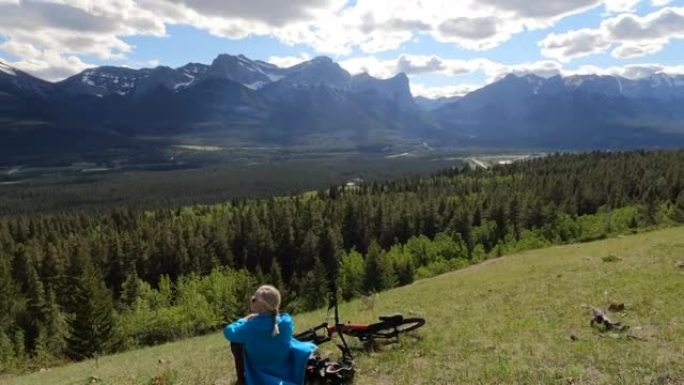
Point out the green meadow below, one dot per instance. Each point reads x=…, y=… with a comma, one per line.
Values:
x=518, y=319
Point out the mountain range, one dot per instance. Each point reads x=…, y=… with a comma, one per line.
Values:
x=317, y=103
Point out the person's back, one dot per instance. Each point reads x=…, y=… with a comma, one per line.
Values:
x=271, y=355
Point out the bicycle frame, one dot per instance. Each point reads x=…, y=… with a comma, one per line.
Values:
x=346, y=352
x=388, y=327
x=347, y=328
x=330, y=329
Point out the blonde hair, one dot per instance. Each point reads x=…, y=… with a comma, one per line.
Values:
x=270, y=296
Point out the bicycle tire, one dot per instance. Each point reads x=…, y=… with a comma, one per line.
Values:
x=391, y=329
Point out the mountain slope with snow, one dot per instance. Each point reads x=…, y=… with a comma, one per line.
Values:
x=573, y=112
x=317, y=102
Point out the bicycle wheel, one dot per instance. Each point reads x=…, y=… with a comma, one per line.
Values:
x=391, y=329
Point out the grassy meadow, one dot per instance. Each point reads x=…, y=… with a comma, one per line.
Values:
x=518, y=319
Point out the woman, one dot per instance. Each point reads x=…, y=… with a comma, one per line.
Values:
x=271, y=355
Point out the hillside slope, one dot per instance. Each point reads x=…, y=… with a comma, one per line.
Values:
x=506, y=321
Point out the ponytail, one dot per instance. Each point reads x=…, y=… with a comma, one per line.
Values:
x=276, y=330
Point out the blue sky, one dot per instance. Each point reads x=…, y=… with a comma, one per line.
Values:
x=445, y=47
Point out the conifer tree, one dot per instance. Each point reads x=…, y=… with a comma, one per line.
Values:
x=130, y=289
x=308, y=251
x=56, y=326
x=259, y=275
x=36, y=309
x=8, y=294
x=91, y=325
x=350, y=224
x=20, y=268
x=284, y=237
x=330, y=251
x=19, y=342
x=6, y=351
x=314, y=287
x=165, y=292
x=275, y=278
x=650, y=207
x=116, y=262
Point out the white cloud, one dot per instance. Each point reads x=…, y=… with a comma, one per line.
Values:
x=416, y=65
x=662, y=24
x=636, y=50
x=271, y=12
x=338, y=27
x=98, y=28
x=421, y=64
x=50, y=65
x=22, y=50
x=469, y=28
x=380, y=42
x=660, y=3
x=631, y=71
x=451, y=69
x=635, y=36
x=418, y=89
x=543, y=68
x=46, y=64
x=371, y=65
x=573, y=44
x=470, y=24
x=550, y=9
x=477, y=33
x=288, y=61
x=50, y=37
x=621, y=5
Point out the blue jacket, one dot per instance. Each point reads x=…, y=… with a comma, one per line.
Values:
x=270, y=360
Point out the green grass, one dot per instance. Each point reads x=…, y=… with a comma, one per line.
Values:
x=506, y=321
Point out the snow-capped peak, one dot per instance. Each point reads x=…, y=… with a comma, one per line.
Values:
x=244, y=60
x=251, y=73
x=534, y=81
x=7, y=69
x=109, y=80
x=574, y=80
x=660, y=79
x=679, y=81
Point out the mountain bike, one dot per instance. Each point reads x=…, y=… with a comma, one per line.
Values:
x=389, y=327
x=327, y=371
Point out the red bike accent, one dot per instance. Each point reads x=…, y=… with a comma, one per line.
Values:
x=347, y=327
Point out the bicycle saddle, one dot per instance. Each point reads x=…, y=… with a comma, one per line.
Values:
x=392, y=318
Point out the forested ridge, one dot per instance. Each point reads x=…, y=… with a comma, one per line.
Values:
x=81, y=284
